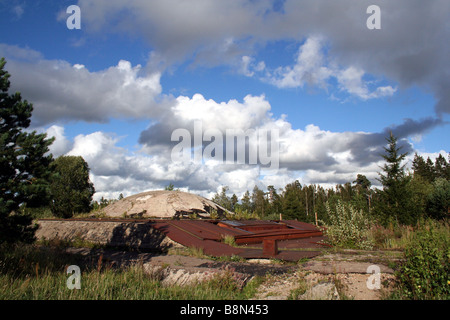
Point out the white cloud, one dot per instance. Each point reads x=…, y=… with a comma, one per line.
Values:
x=61, y=145
x=62, y=91
x=249, y=67
x=309, y=68
x=313, y=69
x=351, y=81
x=230, y=115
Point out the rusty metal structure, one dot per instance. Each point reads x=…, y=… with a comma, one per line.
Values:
x=283, y=239
x=288, y=240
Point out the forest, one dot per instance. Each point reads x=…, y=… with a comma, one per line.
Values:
x=406, y=196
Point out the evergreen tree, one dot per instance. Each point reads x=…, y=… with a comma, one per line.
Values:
x=246, y=203
x=362, y=182
x=438, y=201
x=71, y=189
x=395, y=197
x=234, y=201
x=441, y=168
x=222, y=199
x=293, y=207
x=260, y=203
x=423, y=168
x=362, y=198
x=274, y=203
x=24, y=164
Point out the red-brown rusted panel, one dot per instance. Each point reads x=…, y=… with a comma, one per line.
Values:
x=189, y=239
x=300, y=225
x=270, y=247
x=285, y=236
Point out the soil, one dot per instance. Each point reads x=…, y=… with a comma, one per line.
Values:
x=342, y=275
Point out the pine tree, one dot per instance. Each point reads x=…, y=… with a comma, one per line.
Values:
x=293, y=206
x=274, y=201
x=222, y=199
x=395, y=196
x=234, y=201
x=24, y=164
x=362, y=182
x=260, y=204
x=362, y=198
x=423, y=168
x=246, y=203
x=441, y=168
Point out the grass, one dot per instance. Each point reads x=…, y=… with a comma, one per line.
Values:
x=398, y=237
x=33, y=272
x=129, y=284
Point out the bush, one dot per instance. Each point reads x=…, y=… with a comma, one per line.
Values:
x=438, y=201
x=424, y=274
x=348, y=227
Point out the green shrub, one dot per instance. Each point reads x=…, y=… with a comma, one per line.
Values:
x=348, y=227
x=424, y=275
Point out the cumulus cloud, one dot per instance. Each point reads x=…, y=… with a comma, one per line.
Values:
x=61, y=91
x=309, y=69
x=314, y=69
x=61, y=144
x=250, y=113
x=323, y=155
x=408, y=50
x=311, y=155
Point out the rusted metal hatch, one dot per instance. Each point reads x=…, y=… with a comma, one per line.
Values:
x=256, y=238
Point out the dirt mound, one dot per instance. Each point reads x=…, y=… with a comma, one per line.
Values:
x=163, y=204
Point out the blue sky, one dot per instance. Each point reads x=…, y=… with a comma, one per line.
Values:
x=114, y=90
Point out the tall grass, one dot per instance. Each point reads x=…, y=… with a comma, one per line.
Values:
x=31, y=273
x=400, y=236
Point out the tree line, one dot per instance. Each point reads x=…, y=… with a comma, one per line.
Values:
x=405, y=196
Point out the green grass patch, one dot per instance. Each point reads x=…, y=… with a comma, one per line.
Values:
x=37, y=273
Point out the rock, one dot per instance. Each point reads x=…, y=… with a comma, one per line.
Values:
x=163, y=204
x=321, y=291
x=114, y=234
x=184, y=276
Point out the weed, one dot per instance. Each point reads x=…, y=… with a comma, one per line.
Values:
x=229, y=240
x=348, y=227
x=425, y=272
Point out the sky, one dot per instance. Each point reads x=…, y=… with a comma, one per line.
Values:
x=314, y=86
